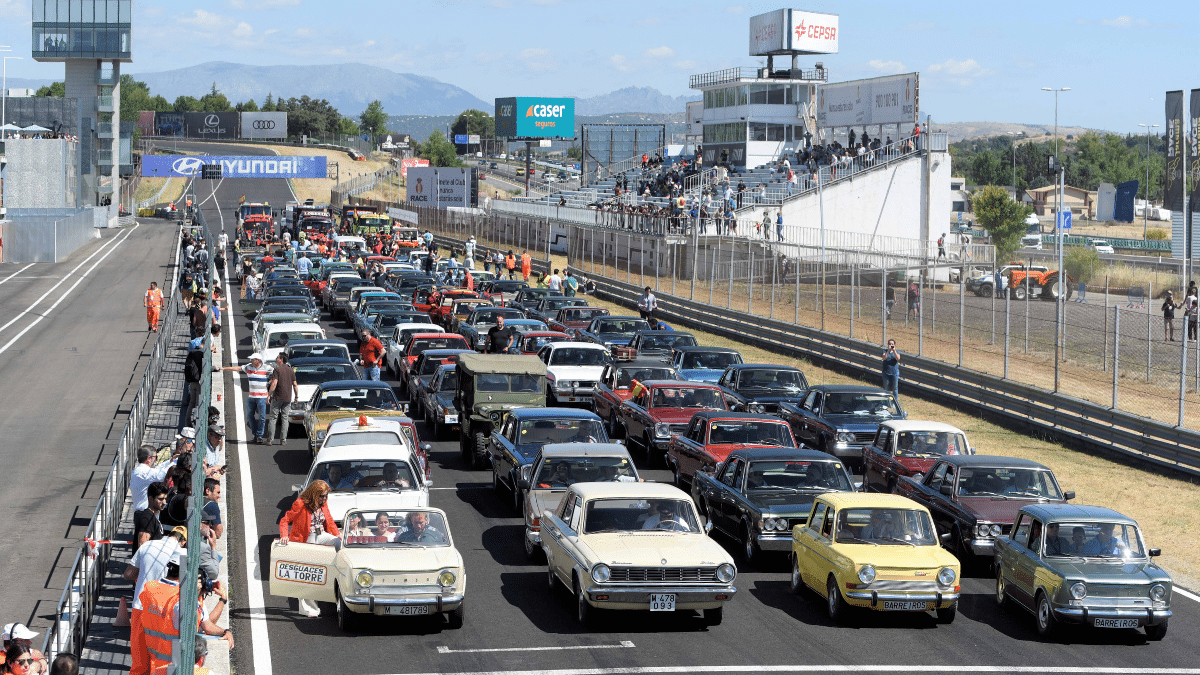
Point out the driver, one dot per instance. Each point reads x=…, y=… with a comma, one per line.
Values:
x=581, y=435
x=338, y=479
x=905, y=444
x=419, y=530
x=391, y=478
x=1105, y=544
x=561, y=474
x=664, y=512
x=882, y=526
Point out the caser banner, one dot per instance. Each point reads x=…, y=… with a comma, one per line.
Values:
x=222, y=125
x=264, y=125
x=175, y=166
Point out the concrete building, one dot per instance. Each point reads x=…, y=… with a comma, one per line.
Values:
x=1080, y=202
x=92, y=38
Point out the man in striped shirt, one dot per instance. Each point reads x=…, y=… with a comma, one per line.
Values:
x=258, y=376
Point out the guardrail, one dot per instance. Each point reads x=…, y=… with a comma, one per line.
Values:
x=716, y=77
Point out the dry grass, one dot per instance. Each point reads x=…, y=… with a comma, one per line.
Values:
x=318, y=189
x=149, y=187
x=1115, y=230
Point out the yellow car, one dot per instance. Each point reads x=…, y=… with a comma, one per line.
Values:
x=875, y=551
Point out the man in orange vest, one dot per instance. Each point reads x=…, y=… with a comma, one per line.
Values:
x=526, y=264
x=154, y=304
x=160, y=614
x=201, y=654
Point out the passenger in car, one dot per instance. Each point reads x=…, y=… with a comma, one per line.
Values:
x=383, y=527
x=1056, y=545
x=882, y=526
x=391, y=478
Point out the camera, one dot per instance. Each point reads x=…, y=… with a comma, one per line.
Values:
x=206, y=584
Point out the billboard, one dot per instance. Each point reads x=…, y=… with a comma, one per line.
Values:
x=787, y=31
x=460, y=139
x=261, y=166
x=442, y=187
x=893, y=99
x=410, y=162
x=145, y=122
x=1174, y=147
x=264, y=125
x=531, y=117
x=168, y=124
x=222, y=125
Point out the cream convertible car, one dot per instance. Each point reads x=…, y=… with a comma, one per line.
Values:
x=635, y=546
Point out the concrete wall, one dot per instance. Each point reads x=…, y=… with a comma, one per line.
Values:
x=46, y=235
x=40, y=174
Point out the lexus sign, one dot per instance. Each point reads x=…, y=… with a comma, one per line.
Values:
x=264, y=125
x=211, y=125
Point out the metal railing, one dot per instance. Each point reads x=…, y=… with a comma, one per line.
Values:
x=616, y=168
x=703, y=80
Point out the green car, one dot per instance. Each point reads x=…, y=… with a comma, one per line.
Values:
x=489, y=387
x=1085, y=565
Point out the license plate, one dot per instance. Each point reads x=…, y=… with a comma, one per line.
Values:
x=662, y=602
x=1115, y=623
x=406, y=610
x=905, y=606
x=451, y=419
x=571, y=399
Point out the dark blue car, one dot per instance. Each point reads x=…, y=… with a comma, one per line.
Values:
x=522, y=434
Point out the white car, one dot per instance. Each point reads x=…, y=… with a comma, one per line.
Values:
x=369, y=475
x=573, y=369
x=394, y=353
x=1101, y=246
x=269, y=339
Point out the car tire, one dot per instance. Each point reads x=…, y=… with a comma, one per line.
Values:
x=796, y=581
x=454, y=618
x=1001, y=588
x=751, y=553
x=835, y=605
x=1019, y=292
x=1156, y=633
x=713, y=617
x=984, y=290
x=479, y=451
x=584, y=613
x=551, y=579
x=346, y=619
x=947, y=614
x=1044, y=616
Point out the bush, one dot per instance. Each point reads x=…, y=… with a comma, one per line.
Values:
x=1157, y=234
x=1082, y=263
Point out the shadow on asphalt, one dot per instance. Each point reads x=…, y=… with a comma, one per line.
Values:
x=507, y=546
x=1017, y=623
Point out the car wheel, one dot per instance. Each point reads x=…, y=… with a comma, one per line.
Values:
x=713, y=616
x=551, y=579
x=549, y=398
x=345, y=618
x=1001, y=587
x=750, y=550
x=836, y=606
x=1019, y=292
x=480, y=451
x=1156, y=633
x=984, y=290
x=796, y=582
x=454, y=618
x=1046, y=623
x=583, y=611
x=947, y=614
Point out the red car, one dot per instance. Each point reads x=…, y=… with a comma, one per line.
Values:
x=713, y=434
x=441, y=306
x=907, y=448
x=570, y=319
x=657, y=409
x=420, y=342
x=616, y=386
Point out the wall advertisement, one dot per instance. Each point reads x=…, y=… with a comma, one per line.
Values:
x=264, y=125
x=442, y=187
x=242, y=166
x=410, y=162
x=784, y=31
x=530, y=117
x=223, y=125
x=894, y=99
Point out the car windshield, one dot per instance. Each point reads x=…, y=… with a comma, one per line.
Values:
x=449, y=381
x=560, y=472
x=861, y=403
x=666, y=340
x=326, y=372
x=621, y=326
x=327, y=351
x=636, y=515
x=366, y=476
x=1089, y=540
x=524, y=384
x=710, y=360
x=283, y=338
x=430, y=367
x=757, y=432
x=1008, y=483
x=790, y=474
x=362, y=438
x=394, y=529
x=358, y=399
x=536, y=342
x=385, y=321
x=886, y=527
x=540, y=432
x=586, y=314
x=687, y=397
x=927, y=443
x=447, y=342
x=626, y=376
x=577, y=356
x=790, y=381
x=488, y=318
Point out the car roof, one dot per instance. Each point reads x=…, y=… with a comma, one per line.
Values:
x=442, y=353
x=316, y=361
x=727, y=415
x=553, y=413
x=841, y=500
x=577, y=345
x=644, y=363
x=1050, y=512
x=619, y=316
x=701, y=348
x=920, y=425
x=351, y=425
x=968, y=461
x=326, y=341
x=354, y=384
x=501, y=364
x=844, y=388
x=783, y=453
x=629, y=490
x=674, y=384
x=752, y=366
x=430, y=327
x=291, y=327
x=672, y=333
x=552, y=450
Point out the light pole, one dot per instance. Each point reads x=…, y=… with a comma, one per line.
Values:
x=1146, y=206
x=1014, y=134
x=4, y=91
x=1058, y=230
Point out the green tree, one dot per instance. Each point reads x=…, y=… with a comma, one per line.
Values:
x=575, y=152
x=1082, y=263
x=269, y=104
x=347, y=127
x=438, y=150
x=1003, y=218
x=135, y=97
x=58, y=89
x=474, y=122
x=186, y=104
x=215, y=101
x=309, y=116
x=373, y=120
x=248, y=106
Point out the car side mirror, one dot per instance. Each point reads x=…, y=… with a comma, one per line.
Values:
x=297, y=488
x=522, y=483
x=428, y=483
x=426, y=447
x=1069, y=495
x=974, y=451
x=708, y=527
x=1155, y=552
x=858, y=486
x=946, y=489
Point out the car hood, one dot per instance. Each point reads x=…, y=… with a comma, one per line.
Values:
x=673, y=415
x=576, y=372
x=1121, y=572
x=721, y=451
x=446, y=398
x=995, y=510
x=650, y=549
x=341, y=502
x=545, y=500
x=783, y=503
x=857, y=422
x=615, y=338
x=701, y=374
x=917, y=464
x=895, y=561
x=431, y=559
x=306, y=392
x=772, y=395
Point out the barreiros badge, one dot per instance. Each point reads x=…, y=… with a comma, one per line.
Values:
x=529, y=117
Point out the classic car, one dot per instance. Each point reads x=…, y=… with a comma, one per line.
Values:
x=458, y=310
x=392, y=563
x=761, y=387
x=294, y=304
x=442, y=303
x=383, y=324
x=703, y=364
x=273, y=338
x=572, y=370
x=909, y=448
x=405, y=283
x=316, y=283
x=975, y=498
x=422, y=372
x=380, y=430
x=394, y=345
x=880, y=552
x=347, y=308
x=548, y=307
x=516, y=293
x=649, y=344
x=610, y=330
x=483, y=319
x=557, y=467
x=311, y=372
x=657, y=409
x=490, y=387
x=420, y=342
x=616, y=386
x=522, y=434
x=437, y=401
x=333, y=400
x=337, y=293
x=368, y=297
x=336, y=276
x=331, y=349
x=277, y=318
x=532, y=342
x=369, y=476
x=1084, y=565
x=571, y=320
x=757, y=496
x=841, y=419
x=367, y=318
x=713, y=434
x=674, y=566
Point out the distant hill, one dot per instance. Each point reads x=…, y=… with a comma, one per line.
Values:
x=633, y=99
x=959, y=131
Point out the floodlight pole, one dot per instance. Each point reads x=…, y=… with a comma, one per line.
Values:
x=1146, y=206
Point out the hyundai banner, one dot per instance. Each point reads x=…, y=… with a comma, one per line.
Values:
x=264, y=125
x=442, y=187
x=175, y=166
x=526, y=117
x=211, y=125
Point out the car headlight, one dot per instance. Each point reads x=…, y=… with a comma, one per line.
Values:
x=1079, y=590
x=767, y=524
x=320, y=435
x=781, y=524
x=985, y=530
x=496, y=414
x=447, y=578
x=662, y=430
x=946, y=576
x=726, y=573
x=1158, y=593
x=866, y=574
x=844, y=437
x=365, y=578
x=996, y=530
x=601, y=573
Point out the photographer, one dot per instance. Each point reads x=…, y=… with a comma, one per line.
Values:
x=891, y=370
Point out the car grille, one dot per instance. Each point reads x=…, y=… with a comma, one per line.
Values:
x=679, y=428
x=663, y=574
x=864, y=437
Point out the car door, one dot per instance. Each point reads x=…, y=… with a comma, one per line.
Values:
x=731, y=485
x=555, y=531
x=601, y=403
x=802, y=427
x=303, y=571
x=806, y=541
x=636, y=415
x=1020, y=564
x=876, y=461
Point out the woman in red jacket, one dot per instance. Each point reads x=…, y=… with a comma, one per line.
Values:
x=309, y=521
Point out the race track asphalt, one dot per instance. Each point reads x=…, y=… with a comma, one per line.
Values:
x=514, y=624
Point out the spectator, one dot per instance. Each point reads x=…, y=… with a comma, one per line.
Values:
x=210, y=562
x=19, y=635
x=149, y=564
x=175, y=513
x=19, y=659
x=500, y=339
x=212, y=495
x=146, y=473
x=370, y=352
x=526, y=264
x=941, y=242
x=251, y=284
x=214, y=455
x=469, y=253
x=554, y=283
x=65, y=664
x=146, y=524
x=647, y=306
x=1168, y=309
x=309, y=521
x=570, y=284
x=1190, y=308
x=198, y=318
x=256, y=399
x=914, y=299
x=281, y=391
x=891, y=370
x=779, y=224
x=510, y=264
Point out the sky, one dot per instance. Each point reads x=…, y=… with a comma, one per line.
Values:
x=977, y=61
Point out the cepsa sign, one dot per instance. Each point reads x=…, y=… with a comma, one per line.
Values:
x=814, y=33
x=522, y=117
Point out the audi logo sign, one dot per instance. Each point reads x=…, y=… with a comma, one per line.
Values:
x=264, y=125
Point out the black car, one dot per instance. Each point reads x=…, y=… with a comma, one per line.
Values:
x=422, y=372
x=547, y=308
x=841, y=419
x=659, y=343
x=761, y=387
x=437, y=400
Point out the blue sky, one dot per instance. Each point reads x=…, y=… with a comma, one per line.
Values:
x=978, y=61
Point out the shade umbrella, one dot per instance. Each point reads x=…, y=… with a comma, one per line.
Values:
x=33, y=128
x=11, y=127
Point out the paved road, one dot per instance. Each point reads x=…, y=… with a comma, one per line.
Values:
x=73, y=346
x=514, y=624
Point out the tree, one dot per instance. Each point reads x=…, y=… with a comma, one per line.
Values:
x=186, y=104
x=1003, y=218
x=474, y=122
x=575, y=152
x=269, y=104
x=373, y=120
x=57, y=89
x=215, y=101
x=438, y=150
x=309, y=116
x=248, y=106
x=347, y=127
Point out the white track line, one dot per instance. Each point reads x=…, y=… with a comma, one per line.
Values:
x=1186, y=593
x=832, y=668
x=117, y=241
x=106, y=244
x=17, y=272
x=623, y=644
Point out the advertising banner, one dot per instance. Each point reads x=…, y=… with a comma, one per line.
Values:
x=528, y=117
x=406, y=164
x=411, y=217
x=169, y=124
x=223, y=125
x=264, y=125
x=460, y=139
x=894, y=99
x=784, y=31
x=442, y=187
x=171, y=166
x=769, y=33
x=145, y=123
x=1193, y=156
x=1174, y=137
